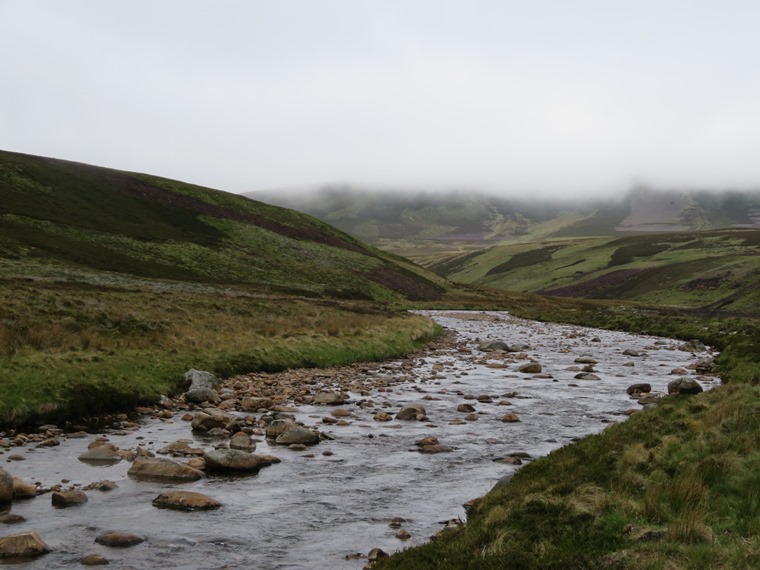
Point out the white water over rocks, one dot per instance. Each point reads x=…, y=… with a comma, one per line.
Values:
x=314, y=509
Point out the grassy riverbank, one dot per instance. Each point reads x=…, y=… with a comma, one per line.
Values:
x=674, y=487
x=71, y=350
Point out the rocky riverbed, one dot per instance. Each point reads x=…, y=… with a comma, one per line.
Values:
x=309, y=468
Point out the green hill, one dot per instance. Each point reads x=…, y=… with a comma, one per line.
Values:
x=112, y=284
x=92, y=218
x=711, y=270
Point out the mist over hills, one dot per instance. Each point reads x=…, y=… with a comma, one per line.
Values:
x=382, y=217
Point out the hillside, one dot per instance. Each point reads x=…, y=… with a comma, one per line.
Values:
x=712, y=270
x=113, y=284
x=429, y=227
x=82, y=218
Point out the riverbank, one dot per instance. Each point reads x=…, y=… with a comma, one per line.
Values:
x=399, y=447
x=675, y=487
x=70, y=351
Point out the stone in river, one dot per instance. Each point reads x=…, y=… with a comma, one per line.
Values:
x=635, y=389
x=382, y=417
x=201, y=386
x=510, y=418
x=300, y=435
x=341, y=413
x=6, y=486
x=279, y=427
x=23, y=490
x=93, y=560
x=411, y=412
x=631, y=352
x=530, y=368
x=585, y=360
x=180, y=448
x=185, y=501
x=11, y=518
x=430, y=444
x=684, y=386
x=509, y=460
x=233, y=460
x=329, y=399
x=242, y=441
x=119, y=539
x=403, y=534
x=209, y=419
x=63, y=499
x=586, y=376
x=465, y=408
x=160, y=469
x=100, y=454
x=25, y=544
x=251, y=404
x=377, y=554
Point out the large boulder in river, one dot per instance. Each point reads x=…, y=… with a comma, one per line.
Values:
x=162, y=469
x=234, y=460
x=636, y=389
x=72, y=498
x=412, y=412
x=6, y=486
x=242, y=441
x=201, y=386
x=185, y=501
x=299, y=435
x=26, y=544
x=329, y=399
x=210, y=418
x=684, y=386
x=279, y=427
x=119, y=539
x=530, y=368
x=102, y=454
x=22, y=490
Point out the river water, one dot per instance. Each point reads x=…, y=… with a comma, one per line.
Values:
x=314, y=509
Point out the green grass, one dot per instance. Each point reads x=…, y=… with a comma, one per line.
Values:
x=92, y=218
x=718, y=268
x=69, y=350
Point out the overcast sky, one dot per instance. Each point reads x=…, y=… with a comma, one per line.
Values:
x=548, y=96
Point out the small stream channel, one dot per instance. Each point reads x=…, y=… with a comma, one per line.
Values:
x=313, y=510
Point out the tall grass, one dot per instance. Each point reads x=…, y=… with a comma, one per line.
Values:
x=68, y=350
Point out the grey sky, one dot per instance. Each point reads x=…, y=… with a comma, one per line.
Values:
x=564, y=95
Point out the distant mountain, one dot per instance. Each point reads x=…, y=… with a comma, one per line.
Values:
x=65, y=218
x=429, y=226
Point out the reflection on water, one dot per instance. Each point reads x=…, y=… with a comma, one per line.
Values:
x=314, y=509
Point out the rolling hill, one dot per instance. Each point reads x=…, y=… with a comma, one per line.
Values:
x=715, y=270
x=86, y=219
x=113, y=284
x=429, y=227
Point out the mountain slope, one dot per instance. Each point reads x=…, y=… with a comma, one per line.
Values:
x=98, y=219
x=429, y=227
x=715, y=270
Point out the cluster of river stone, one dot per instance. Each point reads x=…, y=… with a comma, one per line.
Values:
x=208, y=404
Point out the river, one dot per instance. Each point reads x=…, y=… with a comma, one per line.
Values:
x=315, y=509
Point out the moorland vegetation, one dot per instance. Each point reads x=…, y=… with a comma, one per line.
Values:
x=112, y=284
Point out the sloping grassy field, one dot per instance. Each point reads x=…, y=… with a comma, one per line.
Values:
x=112, y=284
x=720, y=269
